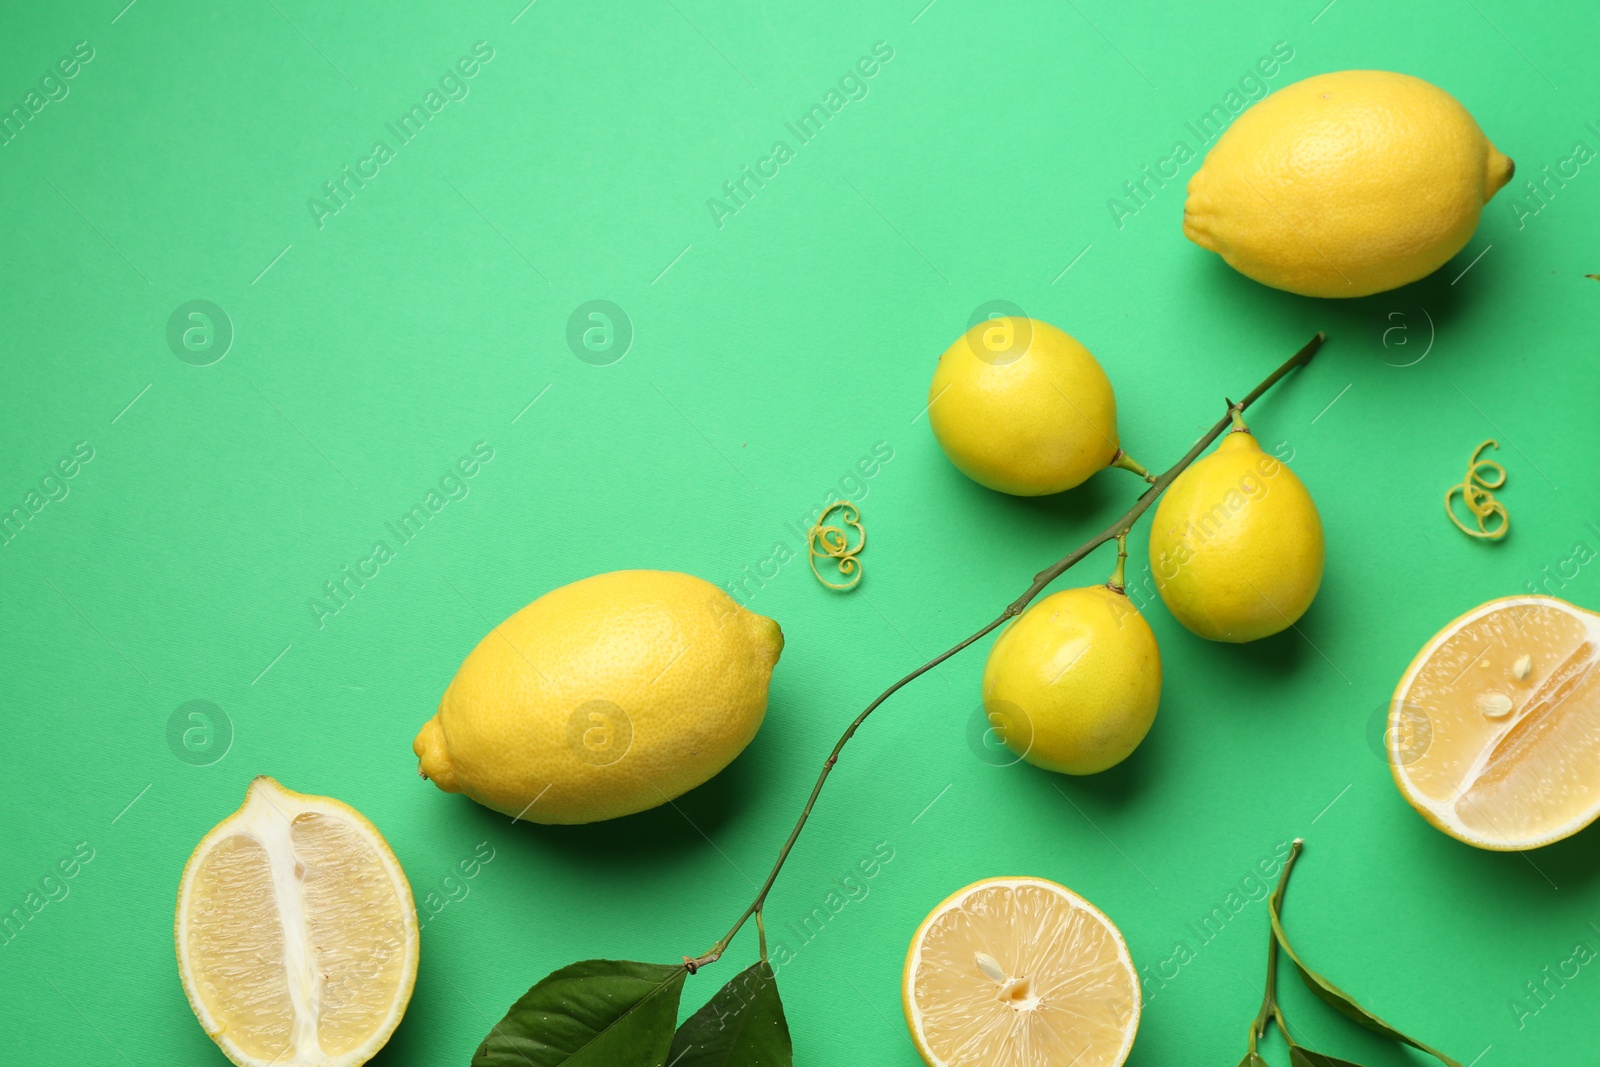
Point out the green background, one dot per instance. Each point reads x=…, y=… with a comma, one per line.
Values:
x=769, y=356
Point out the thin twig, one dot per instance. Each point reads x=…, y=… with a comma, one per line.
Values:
x=1118, y=528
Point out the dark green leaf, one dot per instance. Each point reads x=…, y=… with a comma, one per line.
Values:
x=1337, y=998
x=742, y=1026
x=1253, y=1059
x=598, y=1013
x=1301, y=1057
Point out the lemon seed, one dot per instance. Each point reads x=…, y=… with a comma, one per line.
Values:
x=1494, y=705
x=1522, y=668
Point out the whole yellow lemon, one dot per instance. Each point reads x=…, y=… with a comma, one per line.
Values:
x=602, y=698
x=1072, y=685
x=1021, y=407
x=1236, y=545
x=1345, y=184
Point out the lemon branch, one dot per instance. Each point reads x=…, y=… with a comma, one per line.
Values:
x=1117, y=531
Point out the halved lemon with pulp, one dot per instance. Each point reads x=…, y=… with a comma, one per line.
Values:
x=1020, y=972
x=296, y=933
x=1494, y=731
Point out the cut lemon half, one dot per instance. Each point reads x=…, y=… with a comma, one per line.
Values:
x=1494, y=731
x=296, y=934
x=1020, y=972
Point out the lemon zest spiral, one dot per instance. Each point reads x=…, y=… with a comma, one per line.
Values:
x=830, y=542
x=1475, y=493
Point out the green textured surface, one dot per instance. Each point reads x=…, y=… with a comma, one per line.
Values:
x=770, y=355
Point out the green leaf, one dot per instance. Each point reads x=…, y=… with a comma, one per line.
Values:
x=598, y=1013
x=1300, y=1057
x=1253, y=1059
x=742, y=1026
x=1337, y=998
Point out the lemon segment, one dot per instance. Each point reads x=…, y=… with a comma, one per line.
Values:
x=1020, y=972
x=1494, y=730
x=296, y=935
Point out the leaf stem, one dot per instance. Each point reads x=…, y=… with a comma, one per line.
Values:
x=1118, y=529
x=1269, y=1002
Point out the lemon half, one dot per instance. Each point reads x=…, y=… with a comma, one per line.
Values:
x=1494, y=731
x=296, y=934
x=1020, y=972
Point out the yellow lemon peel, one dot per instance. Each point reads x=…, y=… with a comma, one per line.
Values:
x=1475, y=493
x=829, y=542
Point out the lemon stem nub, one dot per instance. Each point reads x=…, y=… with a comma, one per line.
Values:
x=1128, y=463
x=1238, y=419
x=1116, y=583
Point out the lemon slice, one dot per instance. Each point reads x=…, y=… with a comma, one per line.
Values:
x=1020, y=972
x=1494, y=731
x=296, y=933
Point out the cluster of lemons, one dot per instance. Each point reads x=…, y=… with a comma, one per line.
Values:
x=1236, y=547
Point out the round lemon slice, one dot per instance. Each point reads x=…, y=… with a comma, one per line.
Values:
x=1494, y=731
x=296, y=934
x=1020, y=972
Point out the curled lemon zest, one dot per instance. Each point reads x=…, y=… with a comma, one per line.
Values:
x=1475, y=494
x=830, y=542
